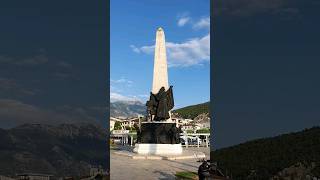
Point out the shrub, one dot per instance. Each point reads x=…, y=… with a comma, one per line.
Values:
x=203, y=130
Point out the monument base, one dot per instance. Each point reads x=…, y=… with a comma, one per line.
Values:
x=158, y=149
x=158, y=133
x=158, y=138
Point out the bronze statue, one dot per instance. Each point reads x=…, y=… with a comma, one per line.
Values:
x=151, y=106
x=158, y=109
x=160, y=104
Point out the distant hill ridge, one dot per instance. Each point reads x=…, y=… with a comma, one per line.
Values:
x=269, y=157
x=191, y=112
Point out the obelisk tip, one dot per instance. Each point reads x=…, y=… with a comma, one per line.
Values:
x=160, y=29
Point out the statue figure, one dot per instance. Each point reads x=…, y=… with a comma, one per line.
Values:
x=162, y=108
x=160, y=104
x=151, y=106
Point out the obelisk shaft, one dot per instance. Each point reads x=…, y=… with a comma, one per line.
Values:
x=160, y=69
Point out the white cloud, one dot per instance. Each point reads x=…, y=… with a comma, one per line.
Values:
x=195, y=51
x=119, y=97
x=121, y=80
x=114, y=89
x=14, y=112
x=203, y=23
x=183, y=20
x=143, y=95
x=135, y=49
x=117, y=87
x=147, y=49
x=191, y=52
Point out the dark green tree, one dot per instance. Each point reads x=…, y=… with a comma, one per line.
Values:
x=117, y=125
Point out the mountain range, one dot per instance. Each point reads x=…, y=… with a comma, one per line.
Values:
x=62, y=150
x=135, y=108
x=127, y=108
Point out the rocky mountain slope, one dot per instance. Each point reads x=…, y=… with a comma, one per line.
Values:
x=63, y=150
x=127, y=108
x=202, y=118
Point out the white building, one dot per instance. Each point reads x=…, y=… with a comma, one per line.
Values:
x=181, y=121
x=112, y=123
x=124, y=122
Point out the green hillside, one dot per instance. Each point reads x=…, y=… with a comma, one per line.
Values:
x=266, y=157
x=190, y=112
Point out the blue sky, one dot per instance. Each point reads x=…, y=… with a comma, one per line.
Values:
x=53, y=62
x=133, y=27
x=266, y=68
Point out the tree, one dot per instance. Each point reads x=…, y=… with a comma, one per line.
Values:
x=117, y=125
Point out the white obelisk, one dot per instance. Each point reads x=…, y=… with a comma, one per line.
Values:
x=160, y=79
x=160, y=68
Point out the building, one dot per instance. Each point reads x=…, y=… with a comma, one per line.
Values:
x=112, y=123
x=128, y=122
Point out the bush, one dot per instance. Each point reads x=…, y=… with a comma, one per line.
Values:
x=133, y=131
x=189, y=131
x=203, y=130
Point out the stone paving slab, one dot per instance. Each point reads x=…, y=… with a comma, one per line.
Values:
x=125, y=167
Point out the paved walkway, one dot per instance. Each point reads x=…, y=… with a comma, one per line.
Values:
x=123, y=167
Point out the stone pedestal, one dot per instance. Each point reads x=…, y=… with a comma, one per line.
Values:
x=158, y=138
x=158, y=149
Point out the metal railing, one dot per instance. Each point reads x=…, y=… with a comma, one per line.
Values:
x=189, y=139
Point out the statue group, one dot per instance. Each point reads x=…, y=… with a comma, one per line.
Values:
x=160, y=104
x=158, y=107
x=158, y=133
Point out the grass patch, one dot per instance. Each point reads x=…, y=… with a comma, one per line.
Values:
x=187, y=175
